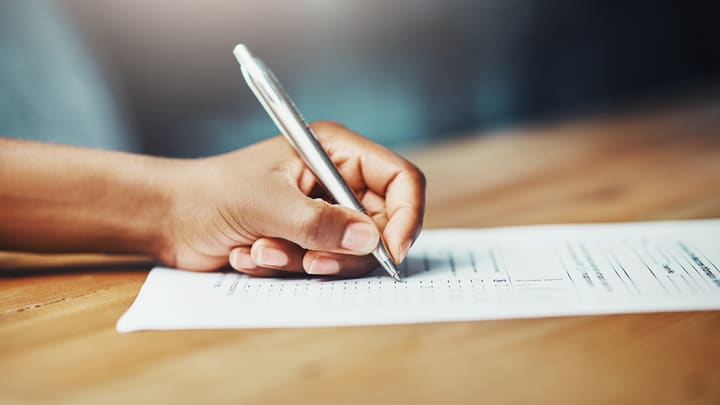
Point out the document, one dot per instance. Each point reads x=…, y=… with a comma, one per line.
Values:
x=462, y=275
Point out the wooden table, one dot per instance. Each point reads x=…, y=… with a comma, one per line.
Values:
x=57, y=336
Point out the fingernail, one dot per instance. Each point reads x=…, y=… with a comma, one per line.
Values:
x=404, y=250
x=324, y=265
x=360, y=237
x=267, y=256
x=240, y=260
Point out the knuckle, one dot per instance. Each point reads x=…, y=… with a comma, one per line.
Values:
x=311, y=226
x=329, y=130
x=321, y=125
x=416, y=175
x=422, y=179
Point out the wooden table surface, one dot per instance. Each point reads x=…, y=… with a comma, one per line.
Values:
x=57, y=336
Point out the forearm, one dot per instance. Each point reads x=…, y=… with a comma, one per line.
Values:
x=56, y=198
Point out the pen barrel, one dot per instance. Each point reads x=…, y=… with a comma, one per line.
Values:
x=309, y=148
x=293, y=126
x=317, y=160
x=319, y=163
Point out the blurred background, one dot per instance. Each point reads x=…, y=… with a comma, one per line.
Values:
x=158, y=76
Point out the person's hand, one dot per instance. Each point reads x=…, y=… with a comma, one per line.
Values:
x=262, y=211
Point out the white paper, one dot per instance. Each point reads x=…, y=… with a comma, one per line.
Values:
x=458, y=275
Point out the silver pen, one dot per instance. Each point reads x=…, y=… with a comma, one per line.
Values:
x=291, y=123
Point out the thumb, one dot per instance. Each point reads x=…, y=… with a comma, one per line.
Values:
x=315, y=224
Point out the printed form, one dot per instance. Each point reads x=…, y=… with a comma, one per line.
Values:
x=461, y=275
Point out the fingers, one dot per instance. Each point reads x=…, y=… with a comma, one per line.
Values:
x=241, y=261
x=404, y=193
x=277, y=254
x=315, y=224
x=299, y=232
x=367, y=165
x=333, y=264
x=404, y=226
x=270, y=257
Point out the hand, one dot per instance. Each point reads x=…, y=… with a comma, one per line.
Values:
x=261, y=209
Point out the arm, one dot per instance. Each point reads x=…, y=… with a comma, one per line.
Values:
x=56, y=198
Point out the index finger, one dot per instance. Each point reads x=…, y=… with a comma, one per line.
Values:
x=399, y=182
x=405, y=205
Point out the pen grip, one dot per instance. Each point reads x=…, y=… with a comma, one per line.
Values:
x=319, y=163
x=292, y=124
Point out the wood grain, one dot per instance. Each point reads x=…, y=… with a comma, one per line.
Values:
x=57, y=338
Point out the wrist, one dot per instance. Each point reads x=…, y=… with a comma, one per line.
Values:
x=160, y=223
x=184, y=231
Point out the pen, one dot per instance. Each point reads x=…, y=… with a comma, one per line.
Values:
x=291, y=123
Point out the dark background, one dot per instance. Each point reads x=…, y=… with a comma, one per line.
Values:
x=400, y=72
